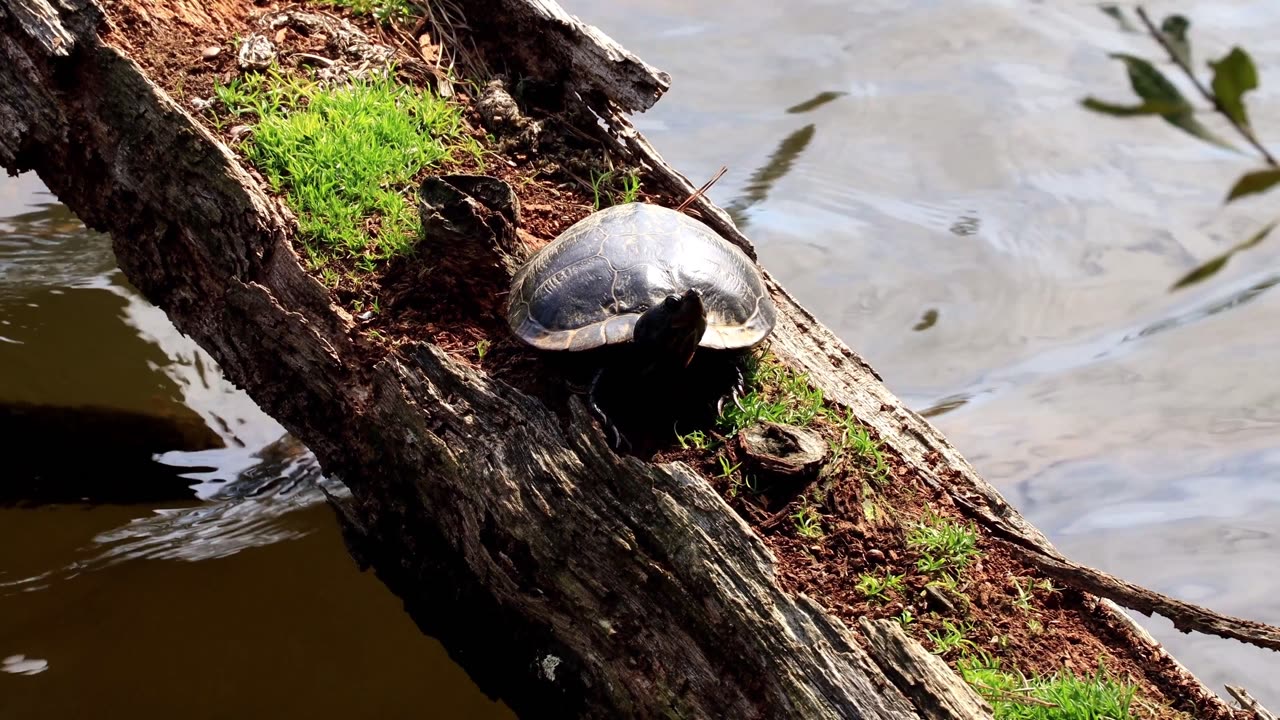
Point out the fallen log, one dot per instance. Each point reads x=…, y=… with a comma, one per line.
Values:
x=567, y=579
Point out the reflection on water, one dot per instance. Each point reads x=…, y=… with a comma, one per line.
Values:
x=778, y=165
x=1005, y=258
x=165, y=549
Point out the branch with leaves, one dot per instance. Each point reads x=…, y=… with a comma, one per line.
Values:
x=1233, y=76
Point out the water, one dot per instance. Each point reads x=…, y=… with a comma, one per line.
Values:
x=1003, y=258
x=207, y=578
x=918, y=174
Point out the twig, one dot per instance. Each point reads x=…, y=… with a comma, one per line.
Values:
x=1017, y=696
x=1208, y=95
x=1248, y=702
x=1184, y=616
x=699, y=192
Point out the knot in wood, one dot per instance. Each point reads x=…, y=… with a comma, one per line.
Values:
x=783, y=450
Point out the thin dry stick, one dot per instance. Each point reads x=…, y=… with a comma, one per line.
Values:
x=1184, y=616
x=1017, y=697
x=699, y=192
x=1208, y=95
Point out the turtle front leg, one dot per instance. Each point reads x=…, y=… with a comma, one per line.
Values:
x=618, y=441
x=738, y=389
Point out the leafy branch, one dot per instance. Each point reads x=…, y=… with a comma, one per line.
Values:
x=1233, y=76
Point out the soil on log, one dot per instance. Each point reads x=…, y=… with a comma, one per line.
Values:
x=567, y=578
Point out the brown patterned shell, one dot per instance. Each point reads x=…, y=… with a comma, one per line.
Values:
x=590, y=285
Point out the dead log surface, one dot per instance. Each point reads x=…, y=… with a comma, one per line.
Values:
x=566, y=579
x=939, y=693
x=1250, y=704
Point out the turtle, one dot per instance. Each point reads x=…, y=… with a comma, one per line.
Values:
x=645, y=277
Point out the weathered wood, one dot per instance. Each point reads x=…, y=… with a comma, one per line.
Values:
x=538, y=39
x=939, y=693
x=783, y=450
x=569, y=581
x=1249, y=703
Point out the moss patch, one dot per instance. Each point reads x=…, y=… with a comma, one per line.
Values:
x=345, y=156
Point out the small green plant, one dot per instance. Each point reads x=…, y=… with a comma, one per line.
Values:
x=727, y=469
x=952, y=637
x=741, y=483
x=617, y=190
x=697, y=440
x=776, y=394
x=1062, y=696
x=808, y=522
x=630, y=189
x=856, y=439
x=876, y=589
x=944, y=545
x=482, y=349
x=384, y=11
x=905, y=617
x=1025, y=594
x=345, y=156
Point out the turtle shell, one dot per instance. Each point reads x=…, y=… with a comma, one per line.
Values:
x=590, y=285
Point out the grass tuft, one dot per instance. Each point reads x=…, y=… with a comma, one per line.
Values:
x=776, y=394
x=345, y=157
x=384, y=11
x=945, y=546
x=876, y=589
x=618, y=189
x=1062, y=696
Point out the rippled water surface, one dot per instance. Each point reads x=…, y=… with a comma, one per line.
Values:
x=918, y=174
x=921, y=176
x=157, y=573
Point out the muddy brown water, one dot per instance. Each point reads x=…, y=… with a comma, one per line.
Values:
x=918, y=174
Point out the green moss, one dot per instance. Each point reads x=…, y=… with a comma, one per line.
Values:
x=345, y=157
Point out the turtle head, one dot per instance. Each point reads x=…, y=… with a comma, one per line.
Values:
x=672, y=329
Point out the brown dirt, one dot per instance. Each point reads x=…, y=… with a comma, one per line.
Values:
x=1054, y=630
x=172, y=41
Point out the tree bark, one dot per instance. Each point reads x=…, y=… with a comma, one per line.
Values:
x=567, y=579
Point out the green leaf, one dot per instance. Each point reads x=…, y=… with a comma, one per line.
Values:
x=1208, y=268
x=1149, y=83
x=1146, y=108
x=1254, y=182
x=1233, y=76
x=1174, y=29
x=1153, y=87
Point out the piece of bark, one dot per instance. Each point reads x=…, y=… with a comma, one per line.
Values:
x=1249, y=703
x=938, y=692
x=780, y=450
x=539, y=40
